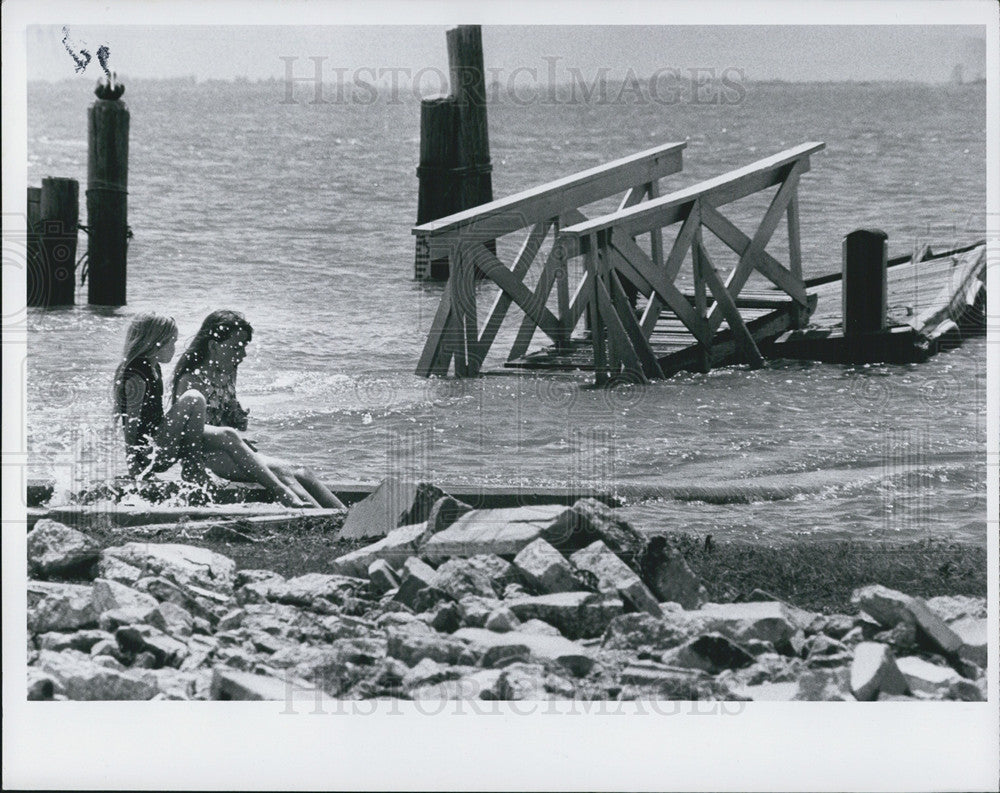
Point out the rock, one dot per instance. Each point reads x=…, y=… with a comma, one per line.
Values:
x=545, y=569
x=445, y=511
x=177, y=621
x=503, y=532
x=84, y=679
x=766, y=621
x=644, y=633
x=254, y=576
x=183, y=564
x=78, y=640
x=923, y=677
x=395, y=548
x=309, y=589
x=577, y=614
x=538, y=627
x=874, y=671
x=381, y=577
x=501, y=620
x=445, y=617
x=590, y=520
x=116, y=570
x=135, y=639
x=230, y=685
x=771, y=692
x=710, y=652
x=55, y=549
x=417, y=576
x=612, y=573
x=427, y=673
x=42, y=685
x=670, y=682
x=967, y=691
x=473, y=611
x=395, y=502
x=479, y=685
x=110, y=595
x=668, y=575
x=956, y=607
x=459, y=578
x=823, y=686
x=514, y=591
x=972, y=631
x=113, y=619
x=411, y=648
x=824, y=652
x=59, y=607
x=574, y=657
x=521, y=681
x=890, y=607
x=107, y=647
x=902, y=637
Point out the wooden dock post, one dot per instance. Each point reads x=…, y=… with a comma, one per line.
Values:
x=51, y=277
x=455, y=172
x=107, y=196
x=865, y=257
x=32, y=260
x=439, y=193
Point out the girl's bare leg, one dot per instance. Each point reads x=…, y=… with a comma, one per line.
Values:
x=231, y=458
x=320, y=492
x=181, y=435
x=286, y=475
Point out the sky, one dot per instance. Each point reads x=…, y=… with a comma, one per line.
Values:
x=925, y=53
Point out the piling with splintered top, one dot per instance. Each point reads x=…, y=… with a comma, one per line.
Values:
x=865, y=289
x=107, y=198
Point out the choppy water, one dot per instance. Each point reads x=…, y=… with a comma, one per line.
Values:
x=299, y=216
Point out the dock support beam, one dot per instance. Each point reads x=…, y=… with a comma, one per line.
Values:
x=107, y=197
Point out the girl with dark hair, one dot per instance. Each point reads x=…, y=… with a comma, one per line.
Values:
x=154, y=441
x=209, y=366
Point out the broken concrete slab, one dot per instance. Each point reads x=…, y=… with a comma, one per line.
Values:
x=545, y=568
x=109, y=595
x=589, y=520
x=84, y=679
x=874, y=671
x=612, y=573
x=923, y=677
x=166, y=650
x=575, y=657
x=459, y=577
x=381, y=577
x=973, y=633
x=890, y=608
x=667, y=573
x=228, y=684
x=395, y=502
x=710, y=652
x=503, y=532
x=766, y=621
x=415, y=577
x=182, y=564
x=395, y=548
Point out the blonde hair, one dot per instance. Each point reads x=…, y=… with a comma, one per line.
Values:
x=146, y=334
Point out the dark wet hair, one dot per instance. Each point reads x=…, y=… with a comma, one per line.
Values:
x=218, y=326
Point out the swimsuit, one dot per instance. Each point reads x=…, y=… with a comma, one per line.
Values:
x=141, y=431
x=222, y=407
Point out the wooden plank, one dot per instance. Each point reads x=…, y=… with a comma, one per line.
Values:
x=765, y=263
x=433, y=347
x=502, y=216
x=529, y=249
x=655, y=305
x=647, y=358
x=794, y=238
x=728, y=308
x=596, y=326
x=668, y=293
x=625, y=354
x=731, y=186
x=542, y=290
x=459, y=283
x=481, y=257
x=739, y=276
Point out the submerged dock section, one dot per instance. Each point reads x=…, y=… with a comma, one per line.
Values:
x=713, y=323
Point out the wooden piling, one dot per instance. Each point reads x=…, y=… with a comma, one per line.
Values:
x=56, y=226
x=455, y=172
x=107, y=199
x=468, y=86
x=32, y=258
x=439, y=192
x=864, y=296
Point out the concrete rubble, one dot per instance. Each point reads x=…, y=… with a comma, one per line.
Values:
x=541, y=602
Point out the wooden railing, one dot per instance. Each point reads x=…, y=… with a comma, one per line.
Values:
x=620, y=337
x=544, y=210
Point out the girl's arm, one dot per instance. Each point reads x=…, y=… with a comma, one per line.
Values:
x=189, y=381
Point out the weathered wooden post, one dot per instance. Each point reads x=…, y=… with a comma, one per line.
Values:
x=439, y=192
x=455, y=171
x=468, y=86
x=864, y=297
x=107, y=196
x=32, y=261
x=55, y=256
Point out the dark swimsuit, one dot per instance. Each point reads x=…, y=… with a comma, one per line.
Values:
x=141, y=432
